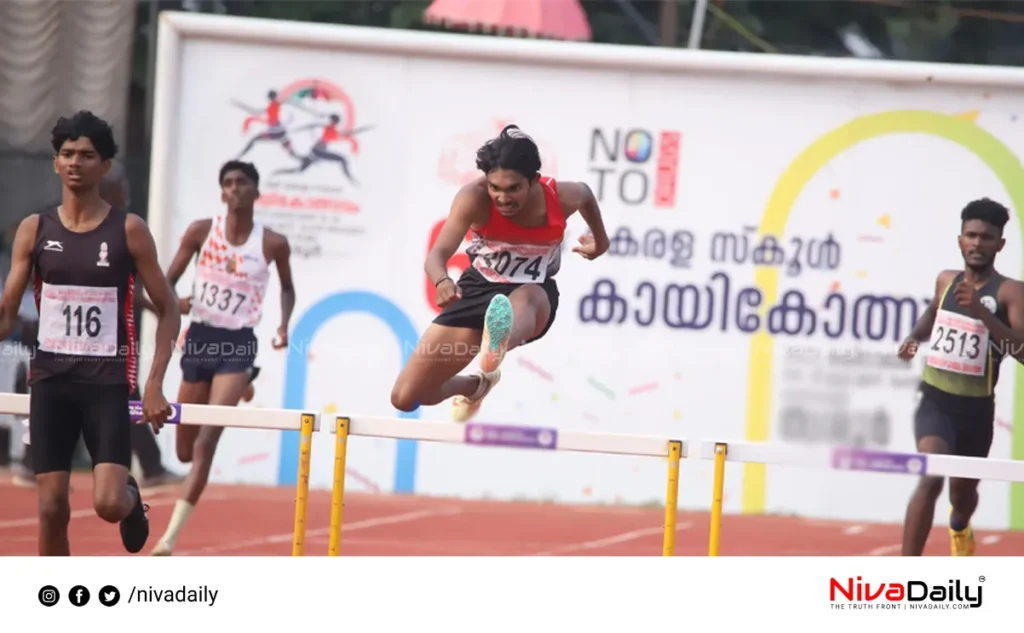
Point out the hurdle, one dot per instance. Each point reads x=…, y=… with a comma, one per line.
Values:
x=306, y=422
x=505, y=436
x=843, y=458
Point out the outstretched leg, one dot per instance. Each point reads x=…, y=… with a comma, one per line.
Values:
x=226, y=390
x=430, y=376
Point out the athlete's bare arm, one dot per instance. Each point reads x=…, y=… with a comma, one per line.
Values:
x=577, y=196
x=923, y=328
x=141, y=302
x=191, y=243
x=280, y=253
x=21, y=271
x=1008, y=339
x=470, y=206
x=143, y=250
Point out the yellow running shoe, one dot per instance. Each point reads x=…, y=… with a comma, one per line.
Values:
x=961, y=542
x=463, y=408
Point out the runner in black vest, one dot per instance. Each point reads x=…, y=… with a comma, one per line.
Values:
x=83, y=257
x=976, y=319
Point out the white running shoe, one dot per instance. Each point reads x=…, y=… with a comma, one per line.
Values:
x=463, y=408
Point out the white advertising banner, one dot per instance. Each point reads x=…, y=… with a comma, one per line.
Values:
x=773, y=239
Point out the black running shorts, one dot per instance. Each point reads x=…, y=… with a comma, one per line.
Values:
x=477, y=293
x=966, y=424
x=210, y=350
x=61, y=412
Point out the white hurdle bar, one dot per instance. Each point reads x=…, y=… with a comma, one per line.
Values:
x=843, y=458
x=516, y=436
x=305, y=422
x=506, y=436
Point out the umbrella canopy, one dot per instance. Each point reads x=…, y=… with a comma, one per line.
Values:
x=555, y=19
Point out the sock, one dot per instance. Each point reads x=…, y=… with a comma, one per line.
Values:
x=955, y=525
x=182, y=510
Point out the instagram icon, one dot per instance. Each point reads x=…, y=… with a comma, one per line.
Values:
x=49, y=596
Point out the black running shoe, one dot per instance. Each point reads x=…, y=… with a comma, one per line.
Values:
x=135, y=526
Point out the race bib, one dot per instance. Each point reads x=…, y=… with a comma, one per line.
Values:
x=78, y=320
x=959, y=344
x=513, y=263
x=221, y=299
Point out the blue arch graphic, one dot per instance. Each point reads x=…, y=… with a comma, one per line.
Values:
x=297, y=364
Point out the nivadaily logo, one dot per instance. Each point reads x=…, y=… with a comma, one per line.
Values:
x=911, y=594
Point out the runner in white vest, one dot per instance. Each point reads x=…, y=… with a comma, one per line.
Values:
x=233, y=254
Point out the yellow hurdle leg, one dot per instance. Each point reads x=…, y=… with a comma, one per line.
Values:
x=721, y=450
x=675, y=452
x=302, y=487
x=338, y=487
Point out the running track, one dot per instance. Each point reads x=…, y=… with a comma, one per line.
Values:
x=257, y=521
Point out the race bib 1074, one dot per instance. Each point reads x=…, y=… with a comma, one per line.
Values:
x=959, y=344
x=78, y=320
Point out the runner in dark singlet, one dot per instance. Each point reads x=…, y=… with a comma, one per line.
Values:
x=84, y=255
x=508, y=296
x=976, y=318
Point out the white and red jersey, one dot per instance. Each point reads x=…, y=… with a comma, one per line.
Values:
x=501, y=251
x=231, y=281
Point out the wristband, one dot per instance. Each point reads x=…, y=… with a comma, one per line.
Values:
x=438, y=282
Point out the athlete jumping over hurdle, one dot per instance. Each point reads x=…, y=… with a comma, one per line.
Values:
x=508, y=296
x=975, y=319
x=85, y=254
x=233, y=255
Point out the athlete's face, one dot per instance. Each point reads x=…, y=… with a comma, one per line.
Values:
x=509, y=190
x=238, y=191
x=979, y=243
x=79, y=164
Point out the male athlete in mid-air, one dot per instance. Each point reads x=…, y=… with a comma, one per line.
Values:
x=84, y=255
x=975, y=319
x=233, y=254
x=508, y=296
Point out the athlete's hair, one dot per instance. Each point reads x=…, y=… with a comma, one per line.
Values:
x=236, y=165
x=512, y=149
x=988, y=211
x=87, y=124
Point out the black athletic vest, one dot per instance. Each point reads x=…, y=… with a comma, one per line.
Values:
x=84, y=284
x=958, y=344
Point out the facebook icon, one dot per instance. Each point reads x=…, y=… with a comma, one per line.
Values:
x=79, y=596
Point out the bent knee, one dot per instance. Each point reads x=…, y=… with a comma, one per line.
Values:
x=54, y=510
x=962, y=491
x=108, y=507
x=404, y=397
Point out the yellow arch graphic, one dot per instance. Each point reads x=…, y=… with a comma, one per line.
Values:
x=960, y=130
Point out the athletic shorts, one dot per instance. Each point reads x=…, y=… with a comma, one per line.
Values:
x=61, y=412
x=469, y=311
x=966, y=424
x=209, y=351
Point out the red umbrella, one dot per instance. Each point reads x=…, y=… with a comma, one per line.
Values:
x=555, y=19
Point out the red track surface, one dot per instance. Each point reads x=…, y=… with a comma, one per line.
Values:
x=257, y=521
